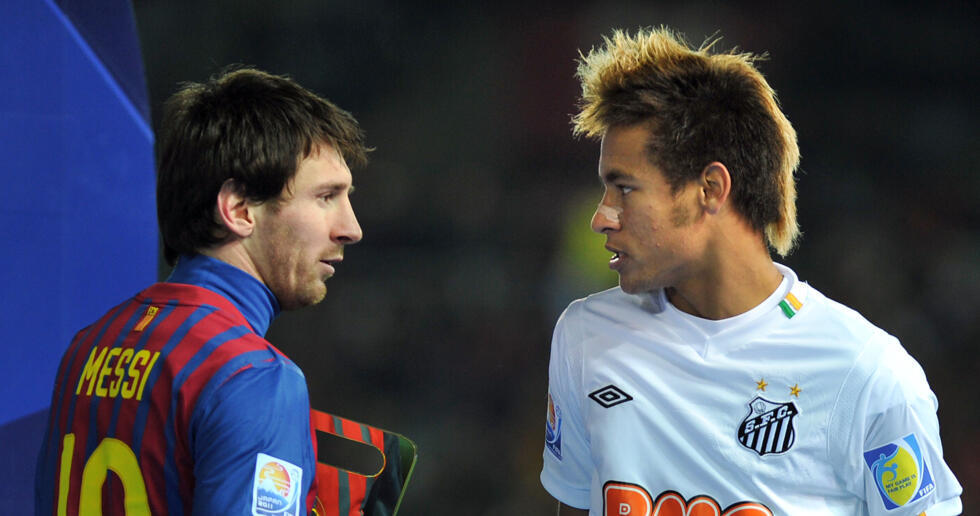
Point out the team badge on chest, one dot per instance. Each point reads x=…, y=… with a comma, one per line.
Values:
x=768, y=428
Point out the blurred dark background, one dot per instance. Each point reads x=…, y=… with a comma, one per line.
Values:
x=475, y=207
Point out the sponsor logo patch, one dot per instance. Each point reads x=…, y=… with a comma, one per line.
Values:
x=899, y=472
x=552, y=429
x=768, y=428
x=625, y=499
x=276, y=488
x=610, y=396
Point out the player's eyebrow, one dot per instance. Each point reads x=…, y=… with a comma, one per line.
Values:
x=613, y=175
x=335, y=187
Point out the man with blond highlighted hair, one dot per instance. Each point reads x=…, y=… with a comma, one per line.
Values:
x=711, y=380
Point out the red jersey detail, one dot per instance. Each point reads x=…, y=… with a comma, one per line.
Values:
x=161, y=407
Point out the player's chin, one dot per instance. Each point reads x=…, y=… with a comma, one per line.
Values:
x=314, y=292
x=632, y=285
x=318, y=293
x=629, y=288
x=626, y=283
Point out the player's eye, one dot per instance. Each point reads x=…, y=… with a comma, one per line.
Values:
x=625, y=189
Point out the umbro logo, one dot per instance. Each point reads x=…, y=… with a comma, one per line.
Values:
x=610, y=396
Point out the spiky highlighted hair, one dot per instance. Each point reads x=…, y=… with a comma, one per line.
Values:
x=700, y=106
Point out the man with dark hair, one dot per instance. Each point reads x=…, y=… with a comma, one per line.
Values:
x=712, y=380
x=175, y=390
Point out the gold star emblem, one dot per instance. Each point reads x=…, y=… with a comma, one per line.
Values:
x=795, y=390
x=761, y=385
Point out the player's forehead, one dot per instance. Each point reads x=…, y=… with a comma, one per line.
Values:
x=624, y=153
x=323, y=168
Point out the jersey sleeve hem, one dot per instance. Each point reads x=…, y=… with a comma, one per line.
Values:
x=572, y=497
x=949, y=507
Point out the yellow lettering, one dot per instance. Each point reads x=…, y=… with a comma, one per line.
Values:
x=115, y=455
x=141, y=358
x=90, y=371
x=106, y=369
x=64, y=477
x=146, y=374
x=120, y=371
x=110, y=455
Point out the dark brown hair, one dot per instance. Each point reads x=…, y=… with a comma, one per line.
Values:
x=245, y=125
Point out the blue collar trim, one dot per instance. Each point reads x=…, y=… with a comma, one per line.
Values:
x=252, y=298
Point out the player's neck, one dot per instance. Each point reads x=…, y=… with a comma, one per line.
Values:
x=233, y=253
x=729, y=281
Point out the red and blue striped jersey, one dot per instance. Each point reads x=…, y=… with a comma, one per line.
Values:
x=176, y=393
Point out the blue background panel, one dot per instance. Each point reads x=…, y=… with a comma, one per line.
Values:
x=77, y=212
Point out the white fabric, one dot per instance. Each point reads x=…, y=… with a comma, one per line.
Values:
x=691, y=381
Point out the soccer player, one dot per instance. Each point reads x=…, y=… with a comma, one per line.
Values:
x=175, y=391
x=712, y=381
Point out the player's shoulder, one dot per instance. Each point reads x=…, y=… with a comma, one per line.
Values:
x=210, y=323
x=877, y=355
x=590, y=321
x=838, y=322
x=613, y=304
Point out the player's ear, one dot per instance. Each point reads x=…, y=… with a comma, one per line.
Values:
x=234, y=211
x=716, y=186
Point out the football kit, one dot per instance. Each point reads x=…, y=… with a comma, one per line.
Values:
x=176, y=393
x=797, y=407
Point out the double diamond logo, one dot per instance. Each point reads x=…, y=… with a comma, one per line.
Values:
x=609, y=396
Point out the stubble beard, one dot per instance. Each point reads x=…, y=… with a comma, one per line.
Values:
x=296, y=285
x=306, y=291
x=680, y=216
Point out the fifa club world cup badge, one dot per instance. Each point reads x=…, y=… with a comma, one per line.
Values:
x=768, y=428
x=552, y=430
x=277, y=488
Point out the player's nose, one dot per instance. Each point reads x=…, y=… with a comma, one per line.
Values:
x=606, y=218
x=348, y=229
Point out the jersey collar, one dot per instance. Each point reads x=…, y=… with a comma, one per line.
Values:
x=252, y=298
x=787, y=299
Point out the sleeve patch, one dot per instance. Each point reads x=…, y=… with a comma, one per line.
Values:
x=899, y=472
x=276, y=487
x=552, y=430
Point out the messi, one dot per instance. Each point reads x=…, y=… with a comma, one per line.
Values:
x=125, y=369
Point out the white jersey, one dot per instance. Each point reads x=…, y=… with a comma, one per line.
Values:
x=797, y=407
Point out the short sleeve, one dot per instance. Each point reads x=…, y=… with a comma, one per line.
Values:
x=254, y=431
x=893, y=456
x=567, y=471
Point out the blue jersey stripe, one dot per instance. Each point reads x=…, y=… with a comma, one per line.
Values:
x=217, y=380
x=62, y=395
x=140, y=344
x=44, y=478
x=139, y=424
x=170, y=468
x=91, y=440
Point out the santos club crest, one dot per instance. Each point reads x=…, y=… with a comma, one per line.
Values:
x=768, y=428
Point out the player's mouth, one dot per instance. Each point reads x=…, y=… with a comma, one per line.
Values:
x=330, y=265
x=616, y=261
